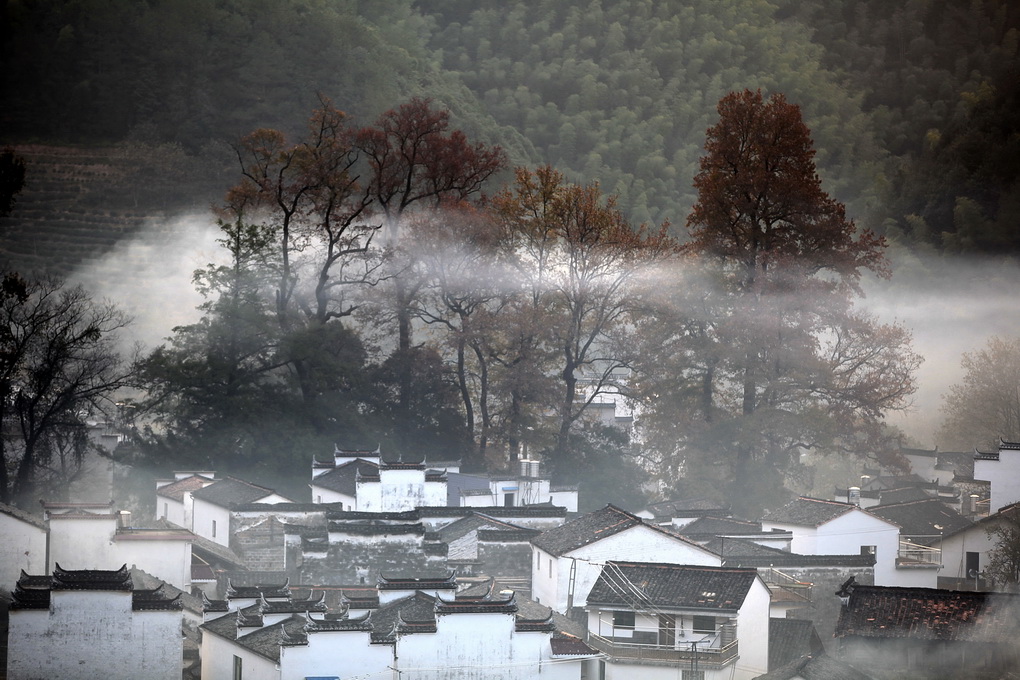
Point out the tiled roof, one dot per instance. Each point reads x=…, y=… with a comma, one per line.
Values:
x=790, y=639
x=531, y=511
x=809, y=512
x=446, y=581
x=91, y=579
x=715, y=526
x=592, y=527
x=568, y=645
x=929, y=614
x=229, y=491
x=474, y=522
x=343, y=479
x=176, y=490
x=20, y=514
x=815, y=667
x=629, y=584
x=738, y=552
x=929, y=517
x=687, y=507
x=902, y=495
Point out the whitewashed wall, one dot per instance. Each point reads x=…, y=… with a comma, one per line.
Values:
x=342, y=654
x=94, y=634
x=1004, y=475
x=637, y=543
x=22, y=546
x=218, y=661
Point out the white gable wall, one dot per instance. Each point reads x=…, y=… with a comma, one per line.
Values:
x=83, y=543
x=321, y=657
x=94, y=634
x=638, y=542
x=218, y=661
x=23, y=546
x=848, y=534
x=1004, y=475
x=211, y=521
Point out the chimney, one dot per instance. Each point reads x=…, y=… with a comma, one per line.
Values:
x=125, y=518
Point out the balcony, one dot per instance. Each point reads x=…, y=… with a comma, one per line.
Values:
x=691, y=653
x=912, y=553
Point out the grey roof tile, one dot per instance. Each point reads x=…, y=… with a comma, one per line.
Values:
x=671, y=585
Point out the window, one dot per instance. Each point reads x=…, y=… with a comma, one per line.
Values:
x=237, y=667
x=704, y=624
x=867, y=550
x=623, y=620
x=973, y=564
x=693, y=675
x=508, y=500
x=214, y=534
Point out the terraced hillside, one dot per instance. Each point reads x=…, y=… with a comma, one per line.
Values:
x=78, y=203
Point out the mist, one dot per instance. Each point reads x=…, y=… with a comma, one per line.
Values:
x=149, y=275
x=951, y=305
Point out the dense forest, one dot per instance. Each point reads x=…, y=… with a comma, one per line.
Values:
x=912, y=107
x=913, y=117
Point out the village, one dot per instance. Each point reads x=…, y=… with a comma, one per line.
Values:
x=397, y=567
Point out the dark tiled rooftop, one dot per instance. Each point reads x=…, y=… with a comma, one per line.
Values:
x=815, y=667
x=929, y=614
x=809, y=512
x=671, y=585
x=791, y=639
x=343, y=478
x=176, y=490
x=920, y=517
x=589, y=528
x=230, y=491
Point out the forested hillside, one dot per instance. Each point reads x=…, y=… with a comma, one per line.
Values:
x=912, y=106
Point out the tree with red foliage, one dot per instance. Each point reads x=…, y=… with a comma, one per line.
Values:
x=415, y=160
x=785, y=362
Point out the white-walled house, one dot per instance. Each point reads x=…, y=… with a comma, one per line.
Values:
x=923, y=527
x=173, y=498
x=94, y=536
x=22, y=546
x=823, y=527
x=659, y=621
x=1002, y=469
x=966, y=550
x=92, y=624
x=419, y=627
x=211, y=506
x=568, y=559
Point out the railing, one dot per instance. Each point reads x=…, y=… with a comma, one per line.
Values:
x=774, y=577
x=911, y=553
x=685, y=652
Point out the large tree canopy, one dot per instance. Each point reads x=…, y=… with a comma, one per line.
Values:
x=765, y=347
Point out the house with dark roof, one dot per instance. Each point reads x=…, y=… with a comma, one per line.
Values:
x=173, y=497
x=92, y=624
x=923, y=526
x=1002, y=469
x=568, y=559
x=211, y=506
x=966, y=550
x=892, y=631
x=23, y=547
x=95, y=536
x=417, y=624
x=652, y=620
x=824, y=527
x=366, y=481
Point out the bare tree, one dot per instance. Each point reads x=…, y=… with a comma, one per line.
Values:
x=59, y=364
